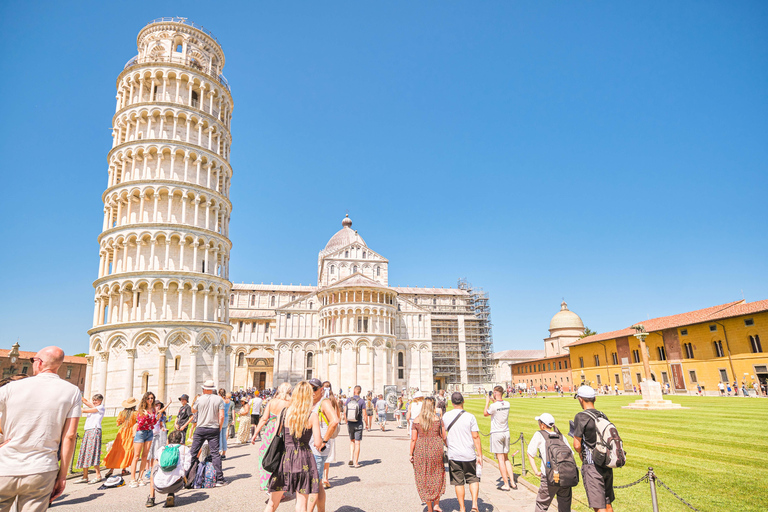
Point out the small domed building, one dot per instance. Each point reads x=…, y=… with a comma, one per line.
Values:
x=564, y=328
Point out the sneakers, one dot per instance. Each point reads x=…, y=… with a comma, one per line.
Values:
x=142, y=483
x=150, y=502
x=169, y=501
x=133, y=484
x=222, y=483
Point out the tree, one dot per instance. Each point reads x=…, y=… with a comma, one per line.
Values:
x=588, y=332
x=82, y=354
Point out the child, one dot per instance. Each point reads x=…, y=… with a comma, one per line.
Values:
x=90, y=449
x=159, y=435
x=170, y=481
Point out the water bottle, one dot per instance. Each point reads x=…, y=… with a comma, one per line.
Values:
x=479, y=471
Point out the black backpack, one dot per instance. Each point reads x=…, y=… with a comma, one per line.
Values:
x=561, y=467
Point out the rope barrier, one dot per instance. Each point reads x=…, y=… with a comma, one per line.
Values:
x=643, y=478
x=673, y=493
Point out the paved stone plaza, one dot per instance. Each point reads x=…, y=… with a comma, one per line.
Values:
x=384, y=483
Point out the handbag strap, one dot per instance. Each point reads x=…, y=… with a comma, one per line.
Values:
x=280, y=423
x=454, y=420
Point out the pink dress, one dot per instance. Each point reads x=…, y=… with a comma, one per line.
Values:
x=267, y=434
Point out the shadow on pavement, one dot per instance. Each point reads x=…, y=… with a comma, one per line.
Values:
x=370, y=462
x=238, y=477
x=346, y=508
x=237, y=456
x=75, y=501
x=346, y=480
x=193, y=497
x=452, y=504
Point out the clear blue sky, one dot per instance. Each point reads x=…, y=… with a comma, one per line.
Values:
x=612, y=153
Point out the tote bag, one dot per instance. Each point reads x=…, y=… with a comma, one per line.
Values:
x=274, y=453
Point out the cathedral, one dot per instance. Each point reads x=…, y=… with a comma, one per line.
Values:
x=166, y=316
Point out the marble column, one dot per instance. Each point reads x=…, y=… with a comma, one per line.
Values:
x=193, y=369
x=131, y=359
x=104, y=358
x=88, y=376
x=161, y=367
x=216, y=362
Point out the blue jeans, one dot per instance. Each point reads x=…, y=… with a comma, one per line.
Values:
x=320, y=461
x=223, y=438
x=142, y=436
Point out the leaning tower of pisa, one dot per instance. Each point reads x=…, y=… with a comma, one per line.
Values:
x=161, y=312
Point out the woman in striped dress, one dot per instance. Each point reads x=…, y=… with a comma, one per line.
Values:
x=268, y=422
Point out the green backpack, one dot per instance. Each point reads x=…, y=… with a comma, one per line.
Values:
x=169, y=459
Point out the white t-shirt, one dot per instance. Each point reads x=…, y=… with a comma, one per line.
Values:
x=499, y=412
x=256, y=406
x=721, y=386
x=164, y=479
x=416, y=409
x=93, y=419
x=538, y=445
x=461, y=445
x=32, y=416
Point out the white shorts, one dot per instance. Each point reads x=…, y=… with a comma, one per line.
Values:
x=500, y=442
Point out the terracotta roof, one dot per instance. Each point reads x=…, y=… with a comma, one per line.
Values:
x=522, y=355
x=26, y=355
x=274, y=287
x=699, y=316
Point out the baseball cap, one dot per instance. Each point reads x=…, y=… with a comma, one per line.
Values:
x=315, y=383
x=457, y=398
x=585, y=392
x=546, y=419
x=184, y=397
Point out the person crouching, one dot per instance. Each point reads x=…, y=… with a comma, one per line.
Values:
x=167, y=477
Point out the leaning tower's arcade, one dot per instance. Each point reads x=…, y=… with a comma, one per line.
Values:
x=161, y=309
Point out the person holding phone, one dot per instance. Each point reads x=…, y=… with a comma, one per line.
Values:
x=323, y=416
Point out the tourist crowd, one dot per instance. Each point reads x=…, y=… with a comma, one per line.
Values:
x=295, y=428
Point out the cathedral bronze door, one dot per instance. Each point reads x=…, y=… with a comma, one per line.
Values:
x=260, y=380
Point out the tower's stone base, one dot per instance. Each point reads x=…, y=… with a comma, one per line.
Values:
x=652, y=399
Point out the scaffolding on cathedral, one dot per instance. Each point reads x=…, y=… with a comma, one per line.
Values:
x=479, y=335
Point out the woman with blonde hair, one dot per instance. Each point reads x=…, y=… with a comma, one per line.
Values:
x=120, y=455
x=268, y=423
x=298, y=470
x=427, y=443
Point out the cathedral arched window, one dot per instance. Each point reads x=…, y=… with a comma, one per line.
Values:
x=272, y=301
x=400, y=365
x=378, y=271
x=241, y=359
x=354, y=269
x=434, y=302
x=310, y=361
x=346, y=254
x=333, y=269
x=253, y=300
x=364, y=254
x=177, y=363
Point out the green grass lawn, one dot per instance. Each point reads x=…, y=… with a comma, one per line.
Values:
x=712, y=454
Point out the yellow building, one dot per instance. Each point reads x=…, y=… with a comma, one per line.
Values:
x=704, y=347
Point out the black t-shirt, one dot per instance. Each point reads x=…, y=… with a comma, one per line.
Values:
x=584, y=427
x=184, y=414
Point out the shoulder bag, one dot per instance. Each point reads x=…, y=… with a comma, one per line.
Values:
x=274, y=454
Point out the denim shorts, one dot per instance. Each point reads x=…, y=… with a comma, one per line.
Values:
x=320, y=461
x=142, y=436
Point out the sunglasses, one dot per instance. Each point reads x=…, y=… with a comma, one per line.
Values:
x=33, y=359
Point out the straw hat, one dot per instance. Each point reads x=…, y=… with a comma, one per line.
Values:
x=131, y=402
x=209, y=385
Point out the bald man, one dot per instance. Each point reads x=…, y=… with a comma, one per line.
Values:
x=37, y=416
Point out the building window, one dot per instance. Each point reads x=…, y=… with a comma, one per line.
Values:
x=287, y=316
x=560, y=365
x=713, y=328
x=615, y=357
x=749, y=321
x=293, y=298
x=437, y=330
x=599, y=380
x=755, y=342
x=692, y=376
x=310, y=361
x=232, y=300
x=400, y=365
x=177, y=363
x=636, y=356
x=616, y=377
x=639, y=379
x=378, y=271
x=253, y=300
x=566, y=364
x=69, y=372
x=664, y=378
x=718, y=349
x=723, y=375
x=354, y=269
x=240, y=326
x=683, y=332
x=662, y=353
x=581, y=362
x=24, y=370
x=333, y=269
x=272, y=301
x=549, y=366
x=434, y=302
x=241, y=359
x=346, y=254
x=597, y=360
x=688, y=350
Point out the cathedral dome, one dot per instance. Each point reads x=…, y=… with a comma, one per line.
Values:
x=566, y=319
x=345, y=236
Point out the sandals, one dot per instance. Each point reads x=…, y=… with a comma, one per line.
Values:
x=326, y=485
x=81, y=481
x=95, y=481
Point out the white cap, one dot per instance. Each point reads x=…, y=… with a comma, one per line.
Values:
x=585, y=392
x=418, y=394
x=546, y=419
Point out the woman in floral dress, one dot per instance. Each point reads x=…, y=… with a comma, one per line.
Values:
x=427, y=442
x=298, y=470
x=268, y=423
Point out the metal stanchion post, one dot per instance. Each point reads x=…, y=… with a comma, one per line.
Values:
x=522, y=454
x=654, y=498
x=74, y=455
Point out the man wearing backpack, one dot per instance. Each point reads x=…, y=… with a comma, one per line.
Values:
x=353, y=411
x=549, y=439
x=598, y=478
